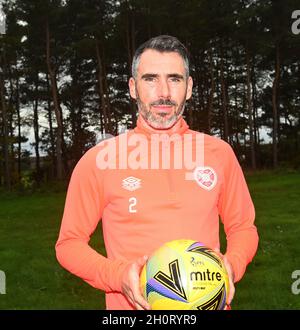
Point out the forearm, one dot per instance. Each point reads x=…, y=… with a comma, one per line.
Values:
x=241, y=248
x=80, y=259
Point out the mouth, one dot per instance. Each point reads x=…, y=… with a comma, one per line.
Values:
x=162, y=110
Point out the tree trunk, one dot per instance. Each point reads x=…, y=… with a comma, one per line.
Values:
x=51, y=133
x=52, y=74
x=255, y=113
x=211, y=92
x=19, y=127
x=36, y=132
x=219, y=106
x=244, y=106
x=275, y=109
x=201, y=108
x=197, y=119
x=107, y=97
x=224, y=99
x=10, y=118
x=250, y=111
x=236, y=115
x=130, y=41
x=102, y=94
x=7, y=174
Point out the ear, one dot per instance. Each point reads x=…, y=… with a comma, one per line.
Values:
x=189, y=90
x=132, y=90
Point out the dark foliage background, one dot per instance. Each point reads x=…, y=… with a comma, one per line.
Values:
x=65, y=67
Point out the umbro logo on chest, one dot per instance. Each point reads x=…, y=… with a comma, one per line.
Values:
x=131, y=183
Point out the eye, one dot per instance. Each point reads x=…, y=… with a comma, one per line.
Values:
x=149, y=79
x=175, y=79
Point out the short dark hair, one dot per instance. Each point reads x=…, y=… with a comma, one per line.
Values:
x=162, y=43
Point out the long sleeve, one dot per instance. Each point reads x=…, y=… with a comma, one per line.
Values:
x=237, y=213
x=83, y=210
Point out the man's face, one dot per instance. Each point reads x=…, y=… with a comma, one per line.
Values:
x=161, y=88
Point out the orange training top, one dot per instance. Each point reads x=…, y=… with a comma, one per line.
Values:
x=143, y=205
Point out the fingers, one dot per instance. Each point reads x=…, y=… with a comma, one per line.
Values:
x=140, y=301
x=230, y=276
x=231, y=281
x=131, y=285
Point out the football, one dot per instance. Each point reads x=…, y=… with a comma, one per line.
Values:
x=185, y=275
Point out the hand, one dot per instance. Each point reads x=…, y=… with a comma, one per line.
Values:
x=231, y=280
x=230, y=277
x=131, y=284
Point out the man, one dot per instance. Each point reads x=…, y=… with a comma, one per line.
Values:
x=145, y=198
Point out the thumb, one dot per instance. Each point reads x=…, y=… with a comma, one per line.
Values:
x=141, y=261
x=217, y=250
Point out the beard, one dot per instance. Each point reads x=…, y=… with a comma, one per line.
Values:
x=159, y=121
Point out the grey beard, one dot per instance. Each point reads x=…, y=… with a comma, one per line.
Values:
x=160, y=123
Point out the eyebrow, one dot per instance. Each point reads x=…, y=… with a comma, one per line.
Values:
x=155, y=75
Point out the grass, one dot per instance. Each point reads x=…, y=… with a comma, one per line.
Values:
x=268, y=280
x=34, y=280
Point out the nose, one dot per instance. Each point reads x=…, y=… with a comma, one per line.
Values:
x=163, y=89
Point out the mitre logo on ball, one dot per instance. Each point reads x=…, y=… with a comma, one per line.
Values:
x=185, y=275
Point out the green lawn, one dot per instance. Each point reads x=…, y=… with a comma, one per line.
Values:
x=267, y=283
x=34, y=280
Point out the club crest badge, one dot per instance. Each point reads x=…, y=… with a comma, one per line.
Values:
x=206, y=177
